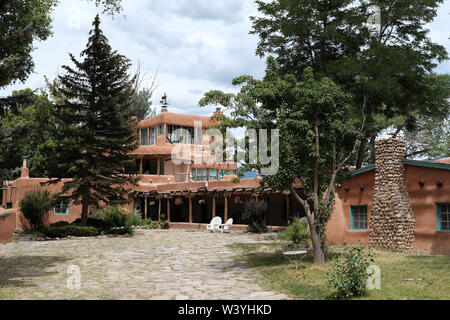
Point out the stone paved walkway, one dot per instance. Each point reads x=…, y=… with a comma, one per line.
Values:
x=153, y=264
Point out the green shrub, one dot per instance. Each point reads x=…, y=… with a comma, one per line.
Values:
x=296, y=232
x=135, y=219
x=121, y=230
x=59, y=224
x=34, y=206
x=70, y=230
x=164, y=224
x=349, y=275
x=111, y=215
x=255, y=215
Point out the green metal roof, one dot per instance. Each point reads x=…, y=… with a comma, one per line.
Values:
x=427, y=164
x=417, y=163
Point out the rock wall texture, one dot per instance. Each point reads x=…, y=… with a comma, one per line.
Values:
x=392, y=219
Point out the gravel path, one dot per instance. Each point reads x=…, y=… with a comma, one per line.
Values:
x=153, y=264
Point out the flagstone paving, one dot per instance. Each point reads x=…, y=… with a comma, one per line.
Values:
x=153, y=264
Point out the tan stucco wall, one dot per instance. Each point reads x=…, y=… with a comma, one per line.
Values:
x=423, y=201
x=7, y=225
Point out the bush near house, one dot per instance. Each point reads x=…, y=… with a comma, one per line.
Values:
x=349, y=274
x=255, y=215
x=296, y=232
x=35, y=206
x=70, y=230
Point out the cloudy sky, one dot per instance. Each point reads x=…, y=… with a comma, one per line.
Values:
x=195, y=45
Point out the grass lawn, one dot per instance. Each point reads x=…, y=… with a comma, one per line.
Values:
x=310, y=281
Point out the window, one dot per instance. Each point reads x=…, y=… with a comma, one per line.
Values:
x=188, y=135
x=160, y=130
x=63, y=207
x=231, y=173
x=443, y=217
x=212, y=174
x=144, y=137
x=152, y=135
x=358, y=217
x=199, y=175
x=222, y=173
x=9, y=205
x=174, y=133
x=198, y=136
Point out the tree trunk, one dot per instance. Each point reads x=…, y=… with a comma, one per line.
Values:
x=362, y=149
x=318, y=252
x=84, y=213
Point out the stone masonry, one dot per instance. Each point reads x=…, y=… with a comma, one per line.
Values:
x=392, y=219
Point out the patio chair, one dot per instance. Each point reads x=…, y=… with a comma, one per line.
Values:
x=214, y=225
x=226, y=227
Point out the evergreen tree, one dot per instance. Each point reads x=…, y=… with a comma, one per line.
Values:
x=95, y=136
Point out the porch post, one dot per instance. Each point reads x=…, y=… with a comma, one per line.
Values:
x=146, y=207
x=168, y=209
x=190, y=209
x=158, y=170
x=214, y=207
x=141, y=164
x=159, y=209
x=226, y=208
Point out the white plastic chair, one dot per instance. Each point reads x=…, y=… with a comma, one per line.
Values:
x=226, y=227
x=214, y=225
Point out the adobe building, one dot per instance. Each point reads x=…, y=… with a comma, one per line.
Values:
x=184, y=187
x=395, y=203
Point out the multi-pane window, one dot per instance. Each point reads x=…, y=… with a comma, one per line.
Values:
x=63, y=206
x=152, y=135
x=222, y=173
x=443, y=217
x=144, y=137
x=198, y=136
x=174, y=133
x=212, y=174
x=199, y=174
x=188, y=135
x=231, y=172
x=358, y=217
x=160, y=130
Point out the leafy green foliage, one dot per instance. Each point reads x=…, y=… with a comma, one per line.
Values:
x=384, y=71
x=35, y=206
x=349, y=275
x=95, y=136
x=255, y=215
x=296, y=232
x=70, y=230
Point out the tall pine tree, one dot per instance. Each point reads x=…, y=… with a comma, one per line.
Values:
x=94, y=133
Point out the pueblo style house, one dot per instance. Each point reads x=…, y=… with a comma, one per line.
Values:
x=395, y=203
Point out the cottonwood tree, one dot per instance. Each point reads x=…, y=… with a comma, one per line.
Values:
x=383, y=68
x=317, y=136
x=95, y=136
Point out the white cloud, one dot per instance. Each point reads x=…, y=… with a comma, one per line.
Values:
x=197, y=45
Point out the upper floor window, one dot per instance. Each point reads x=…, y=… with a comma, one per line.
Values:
x=443, y=217
x=222, y=173
x=174, y=133
x=199, y=174
x=152, y=135
x=9, y=205
x=188, y=135
x=198, y=136
x=144, y=137
x=62, y=207
x=160, y=130
x=358, y=217
x=212, y=174
x=231, y=172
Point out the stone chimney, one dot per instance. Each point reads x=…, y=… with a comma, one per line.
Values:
x=392, y=219
x=25, y=172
